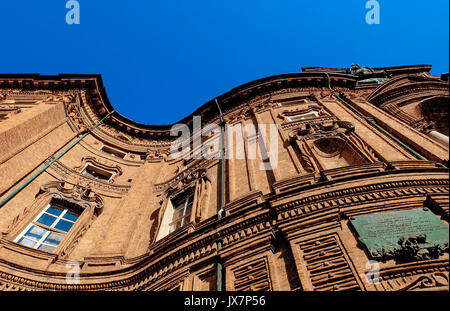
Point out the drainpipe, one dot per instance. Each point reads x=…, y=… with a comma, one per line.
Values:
x=373, y=124
x=220, y=214
x=29, y=180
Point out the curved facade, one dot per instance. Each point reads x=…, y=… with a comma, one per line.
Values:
x=355, y=198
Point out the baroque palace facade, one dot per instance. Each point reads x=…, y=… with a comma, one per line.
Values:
x=358, y=200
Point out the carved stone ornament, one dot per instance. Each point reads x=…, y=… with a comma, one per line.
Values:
x=73, y=104
x=189, y=178
x=76, y=194
x=327, y=128
x=102, y=164
x=156, y=155
x=302, y=110
x=360, y=71
x=417, y=248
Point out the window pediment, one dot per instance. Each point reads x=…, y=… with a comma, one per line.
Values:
x=74, y=195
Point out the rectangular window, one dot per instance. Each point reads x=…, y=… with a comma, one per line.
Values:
x=182, y=209
x=113, y=152
x=48, y=229
x=96, y=173
x=303, y=116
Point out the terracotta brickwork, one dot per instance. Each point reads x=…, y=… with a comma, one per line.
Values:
x=354, y=141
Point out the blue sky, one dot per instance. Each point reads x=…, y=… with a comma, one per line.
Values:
x=160, y=60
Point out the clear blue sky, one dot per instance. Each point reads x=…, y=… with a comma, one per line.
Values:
x=160, y=60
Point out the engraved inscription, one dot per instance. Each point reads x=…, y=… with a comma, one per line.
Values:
x=416, y=233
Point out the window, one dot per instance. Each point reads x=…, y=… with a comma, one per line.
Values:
x=177, y=213
x=49, y=228
x=302, y=116
x=96, y=173
x=113, y=152
x=3, y=116
x=181, y=212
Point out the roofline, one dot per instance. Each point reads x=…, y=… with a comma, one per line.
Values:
x=393, y=70
x=310, y=76
x=252, y=87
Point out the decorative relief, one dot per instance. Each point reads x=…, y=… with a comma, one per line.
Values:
x=76, y=194
x=301, y=110
x=196, y=170
x=6, y=110
x=327, y=140
x=253, y=276
x=77, y=178
x=73, y=110
x=237, y=116
x=327, y=266
x=326, y=128
x=325, y=143
x=434, y=280
x=425, y=275
x=417, y=248
x=156, y=155
x=101, y=163
x=312, y=122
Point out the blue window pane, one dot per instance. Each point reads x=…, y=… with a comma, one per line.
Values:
x=54, y=211
x=70, y=216
x=64, y=225
x=54, y=238
x=27, y=242
x=46, y=220
x=35, y=233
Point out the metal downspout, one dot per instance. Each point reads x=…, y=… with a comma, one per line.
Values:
x=220, y=214
x=29, y=180
x=379, y=128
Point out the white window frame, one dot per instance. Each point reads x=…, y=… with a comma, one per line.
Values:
x=189, y=200
x=45, y=227
x=167, y=221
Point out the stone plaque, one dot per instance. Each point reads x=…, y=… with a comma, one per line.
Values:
x=409, y=234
